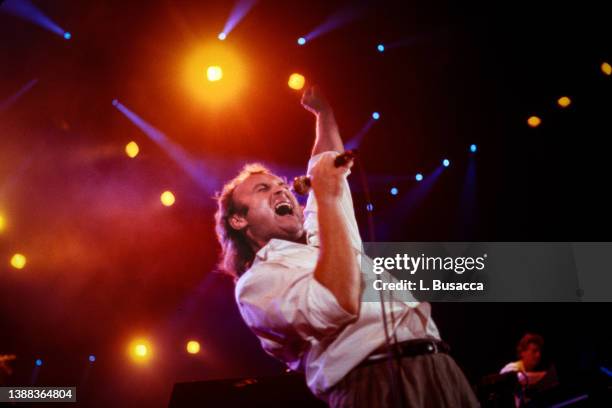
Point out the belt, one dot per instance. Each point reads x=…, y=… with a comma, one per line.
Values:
x=408, y=348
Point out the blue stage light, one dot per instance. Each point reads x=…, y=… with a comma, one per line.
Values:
x=375, y=115
x=446, y=162
x=38, y=362
x=380, y=47
x=418, y=177
x=222, y=36
x=301, y=41
x=67, y=35
x=92, y=358
x=394, y=191
x=473, y=148
x=370, y=207
x=115, y=102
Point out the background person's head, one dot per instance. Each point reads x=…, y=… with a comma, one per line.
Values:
x=253, y=208
x=529, y=350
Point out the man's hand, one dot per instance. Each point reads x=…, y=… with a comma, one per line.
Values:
x=327, y=179
x=328, y=135
x=314, y=101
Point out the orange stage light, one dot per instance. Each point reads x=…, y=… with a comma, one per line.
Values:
x=132, y=149
x=140, y=350
x=606, y=68
x=564, y=101
x=203, y=69
x=167, y=198
x=296, y=81
x=214, y=73
x=534, y=121
x=193, y=347
x=18, y=261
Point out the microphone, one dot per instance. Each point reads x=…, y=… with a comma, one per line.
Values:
x=301, y=184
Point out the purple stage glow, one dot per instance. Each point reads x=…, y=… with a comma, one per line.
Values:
x=26, y=10
x=240, y=10
x=338, y=19
x=356, y=140
x=5, y=104
x=204, y=176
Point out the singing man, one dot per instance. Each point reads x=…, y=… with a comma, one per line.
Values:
x=299, y=284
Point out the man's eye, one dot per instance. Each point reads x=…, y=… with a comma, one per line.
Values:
x=262, y=188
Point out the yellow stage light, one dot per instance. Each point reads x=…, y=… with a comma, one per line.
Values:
x=606, y=68
x=18, y=261
x=140, y=350
x=193, y=347
x=2, y=223
x=564, y=101
x=214, y=73
x=131, y=149
x=203, y=69
x=534, y=121
x=296, y=81
x=167, y=198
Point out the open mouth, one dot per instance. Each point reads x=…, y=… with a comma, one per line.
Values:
x=283, y=208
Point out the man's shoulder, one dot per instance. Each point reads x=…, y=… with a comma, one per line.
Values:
x=262, y=275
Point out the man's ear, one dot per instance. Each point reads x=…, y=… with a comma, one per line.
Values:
x=238, y=222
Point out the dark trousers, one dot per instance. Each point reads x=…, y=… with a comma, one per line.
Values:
x=430, y=380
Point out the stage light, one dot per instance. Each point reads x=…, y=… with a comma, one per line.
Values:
x=375, y=115
x=446, y=162
x=473, y=148
x=38, y=362
x=222, y=36
x=296, y=81
x=418, y=177
x=606, y=68
x=214, y=73
x=115, y=102
x=67, y=35
x=564, y=101
x=370, y=207
x=193, y=347
x=534, y=121
x=91, y=358
x=140, y=350
x=2, y=223
x=132, y=149
x=167, y=198
x=18, y=261
x=394, y=191
x=380, y=47
x=301, y=41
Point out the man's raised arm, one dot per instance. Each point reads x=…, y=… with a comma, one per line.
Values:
x=328, y=135
x=337, y=267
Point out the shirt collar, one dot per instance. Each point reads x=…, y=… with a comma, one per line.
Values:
x=275, y=246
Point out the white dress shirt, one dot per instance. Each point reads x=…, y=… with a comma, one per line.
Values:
x=299, y=321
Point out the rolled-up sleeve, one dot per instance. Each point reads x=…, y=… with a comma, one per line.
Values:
x=311, y=224
x=282, y=305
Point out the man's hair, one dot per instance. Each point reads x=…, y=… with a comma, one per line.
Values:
x=236, y=253
x=529, y=338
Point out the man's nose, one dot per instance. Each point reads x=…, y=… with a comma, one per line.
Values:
x=278, y=190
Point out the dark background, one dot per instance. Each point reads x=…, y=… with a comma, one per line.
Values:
x=106, y=262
